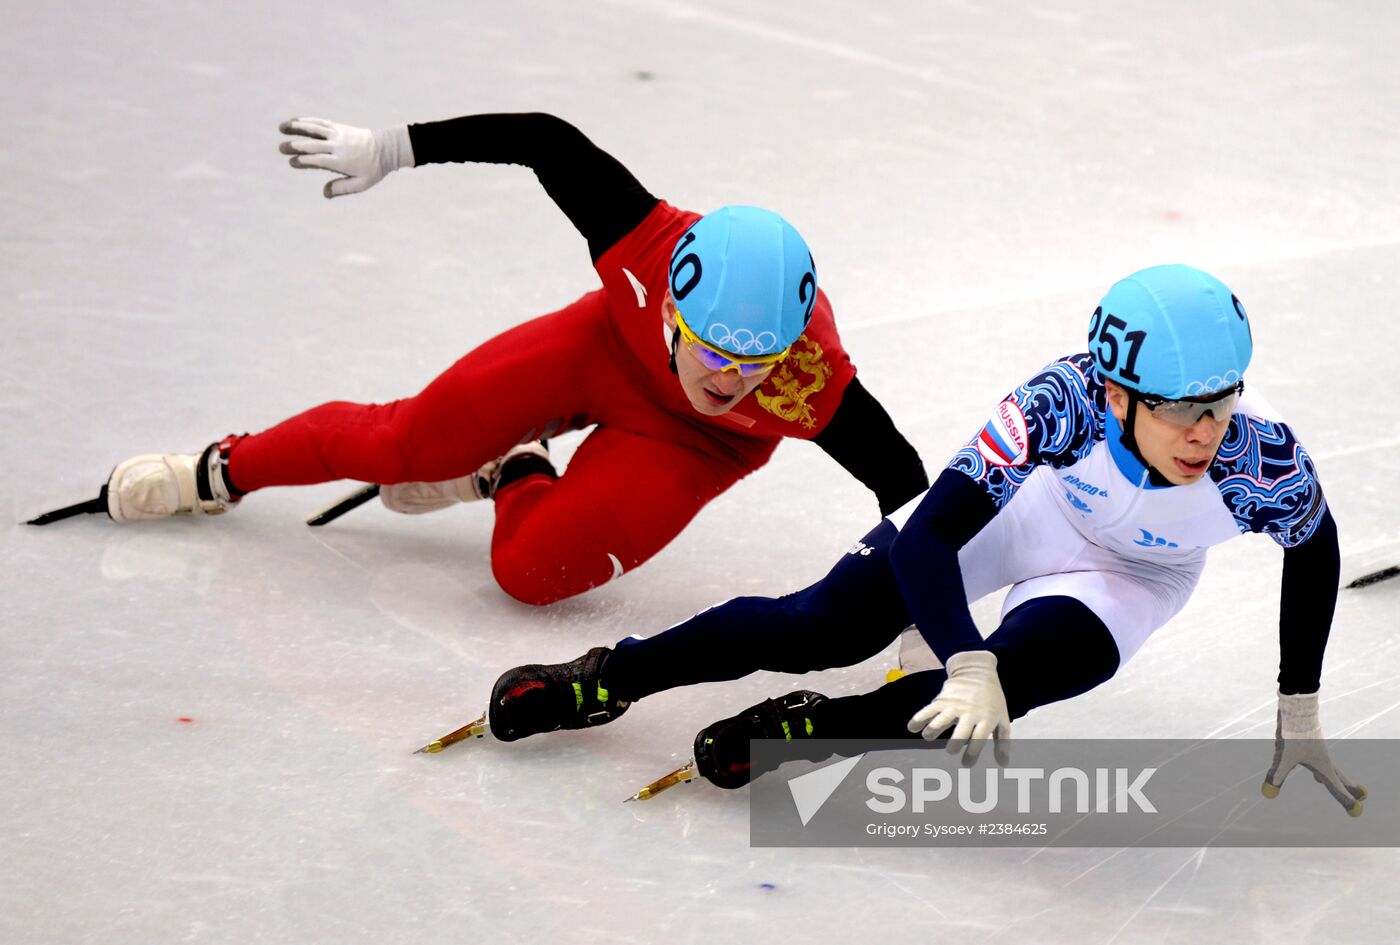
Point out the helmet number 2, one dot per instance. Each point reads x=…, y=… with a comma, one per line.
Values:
x=808, y=285
x=1108, y=329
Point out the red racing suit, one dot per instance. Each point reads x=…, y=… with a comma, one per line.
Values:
x=651, y=462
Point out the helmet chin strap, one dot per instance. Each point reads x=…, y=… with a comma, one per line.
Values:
x=1129, y=439
x=675, y=346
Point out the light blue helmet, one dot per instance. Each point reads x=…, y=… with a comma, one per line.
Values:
x=1172, y=331
x=743, y=281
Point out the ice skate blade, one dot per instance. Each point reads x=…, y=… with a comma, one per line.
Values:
x=89, y=507
x=1375, y=577
x=338, y=508
x=681, y=775
x=477, y=729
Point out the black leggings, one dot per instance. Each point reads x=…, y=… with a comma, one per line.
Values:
x=1048, y=649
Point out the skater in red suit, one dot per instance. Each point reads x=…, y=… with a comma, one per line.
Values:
x=708, y=342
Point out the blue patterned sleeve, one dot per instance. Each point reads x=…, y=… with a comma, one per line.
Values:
x=1268, y=481
x=1052, y=419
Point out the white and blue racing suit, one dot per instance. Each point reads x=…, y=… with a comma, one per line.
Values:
x=1046, y=500
x=1077, y=514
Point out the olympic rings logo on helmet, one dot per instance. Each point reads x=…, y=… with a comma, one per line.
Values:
x=743, y=342
x=1212, y=385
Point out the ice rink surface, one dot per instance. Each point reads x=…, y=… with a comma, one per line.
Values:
x=207, y=725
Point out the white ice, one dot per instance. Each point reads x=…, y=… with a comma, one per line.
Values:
x=971, y=176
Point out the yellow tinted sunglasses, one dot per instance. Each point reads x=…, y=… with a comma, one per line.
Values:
x=717, y=360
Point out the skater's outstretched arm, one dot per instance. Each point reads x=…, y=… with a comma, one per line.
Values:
x=1311, y=573
x=864, y=440
x=1277, y=493
x=600, y=197
x=924, y=559
x=1307, y=600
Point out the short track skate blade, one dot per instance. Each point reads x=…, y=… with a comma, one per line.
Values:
x=90, y=507
x=1375, y=577
x=477, y=729
x=684, y=773
x=352, y=501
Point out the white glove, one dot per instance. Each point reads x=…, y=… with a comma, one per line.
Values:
x=972, y=698
x=1298, y=741
x=417, y=498
x=363, y=156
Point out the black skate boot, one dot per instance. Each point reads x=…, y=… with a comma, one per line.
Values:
x=722, y=748
x=532, y=699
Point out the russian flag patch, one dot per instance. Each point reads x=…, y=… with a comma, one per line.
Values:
x=1004, y=441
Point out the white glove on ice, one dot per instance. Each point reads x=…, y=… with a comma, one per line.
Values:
x=363, y=156
x=1298, y=741
x=417, y=498
x=972, y=698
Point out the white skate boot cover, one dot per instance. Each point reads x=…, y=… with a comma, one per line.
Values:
x=160, y=485
x=417, y=498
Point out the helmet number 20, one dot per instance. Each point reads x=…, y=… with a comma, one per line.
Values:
x=1106, y=329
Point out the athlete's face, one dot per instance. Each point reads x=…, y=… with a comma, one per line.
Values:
x=710, y=392
x=1181, y=454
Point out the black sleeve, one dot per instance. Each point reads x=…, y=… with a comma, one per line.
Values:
x=924, y=558
x=863, y=439
x=1311, y=573
x=600, y=197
